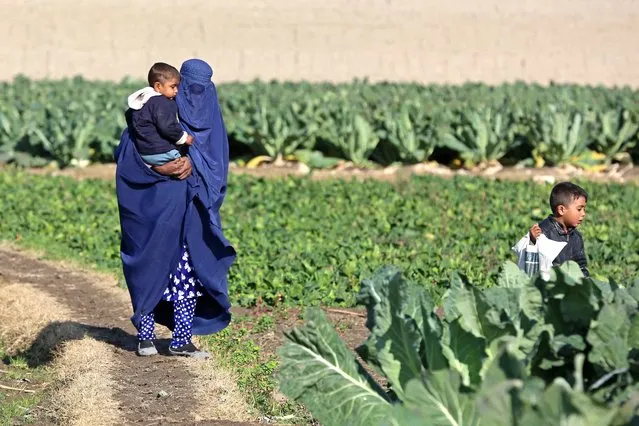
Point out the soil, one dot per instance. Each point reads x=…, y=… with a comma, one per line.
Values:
x=349, y=323
x=615, y=173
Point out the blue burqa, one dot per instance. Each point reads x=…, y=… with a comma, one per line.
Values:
x=158, y=214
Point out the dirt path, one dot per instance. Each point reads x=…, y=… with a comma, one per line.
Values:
x=546, y=174
x=103, y=315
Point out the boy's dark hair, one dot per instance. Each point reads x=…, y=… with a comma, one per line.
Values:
x=565, y=193
x=161, y=72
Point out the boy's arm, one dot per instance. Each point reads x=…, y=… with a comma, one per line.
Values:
x=166, y=122
x=580, y=258
x=534, y=233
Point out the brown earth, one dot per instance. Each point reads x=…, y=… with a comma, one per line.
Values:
x=581, y=41
x=616, y=173
x=348, y=322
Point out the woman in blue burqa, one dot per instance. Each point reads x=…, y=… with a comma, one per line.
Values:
x=174, y=255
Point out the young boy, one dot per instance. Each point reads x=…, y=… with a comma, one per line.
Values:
x=152, y=117
x=568, y=204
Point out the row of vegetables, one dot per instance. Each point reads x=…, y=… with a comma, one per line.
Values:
x=76, y=121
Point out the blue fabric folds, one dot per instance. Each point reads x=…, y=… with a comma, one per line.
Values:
x=201, y=117
x=158, y=214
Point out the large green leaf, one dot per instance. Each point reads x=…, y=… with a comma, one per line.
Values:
x=393, y=308
x=394, y=319
x=608, y=336
x=464, y=352
x=571, y=301
x=375, y=295
x=398, y=351
x=460, y=303
x=318, y=370
x=498, y=401
x=434, y=358
x=400, y=415
x=559, y=405
x=512, y=277
x=436, y=396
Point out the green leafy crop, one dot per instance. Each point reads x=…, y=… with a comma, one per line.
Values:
x=74, y=121
x=522, y=352
x=301, y=241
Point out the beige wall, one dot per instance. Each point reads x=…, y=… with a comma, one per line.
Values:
x=584, y=41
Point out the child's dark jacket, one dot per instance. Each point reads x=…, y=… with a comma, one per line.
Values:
x=153, y=122
x=574, y=250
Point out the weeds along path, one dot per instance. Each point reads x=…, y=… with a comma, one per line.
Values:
x=154, y=390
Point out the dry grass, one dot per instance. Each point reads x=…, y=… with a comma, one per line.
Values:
x=25, y=312
x=217, y=393
x=35, y=324
x=87, y=392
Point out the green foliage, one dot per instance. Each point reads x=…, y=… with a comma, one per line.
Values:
x=65, y=121
x=18, y=407
x=408, y=133
x=274, y=131
x=316, y=358
x=234, y=349
x=617, y=132
x=561, y=135
x=482, y=136
x=73, y=121
x=523, y=352
x=310, y=242
x=264, y=323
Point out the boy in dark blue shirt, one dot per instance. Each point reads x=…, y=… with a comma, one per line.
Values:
x=568, y=204
x=152, y=117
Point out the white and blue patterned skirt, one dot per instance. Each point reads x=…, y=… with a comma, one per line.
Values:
x=183, y=283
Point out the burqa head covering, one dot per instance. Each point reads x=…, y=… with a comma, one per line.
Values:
x=197, y=97
x=201, y=116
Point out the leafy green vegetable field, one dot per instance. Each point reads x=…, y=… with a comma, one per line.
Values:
x=524, y=352
x=75, y=120
x=312, y=242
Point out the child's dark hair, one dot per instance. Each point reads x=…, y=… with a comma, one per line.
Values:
x=161, y=72
x=565, y=193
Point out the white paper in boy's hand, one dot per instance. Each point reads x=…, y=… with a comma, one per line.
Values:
x=548, y=248
x=548, y=251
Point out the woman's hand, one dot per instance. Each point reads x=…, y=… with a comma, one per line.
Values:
x=180, y=168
